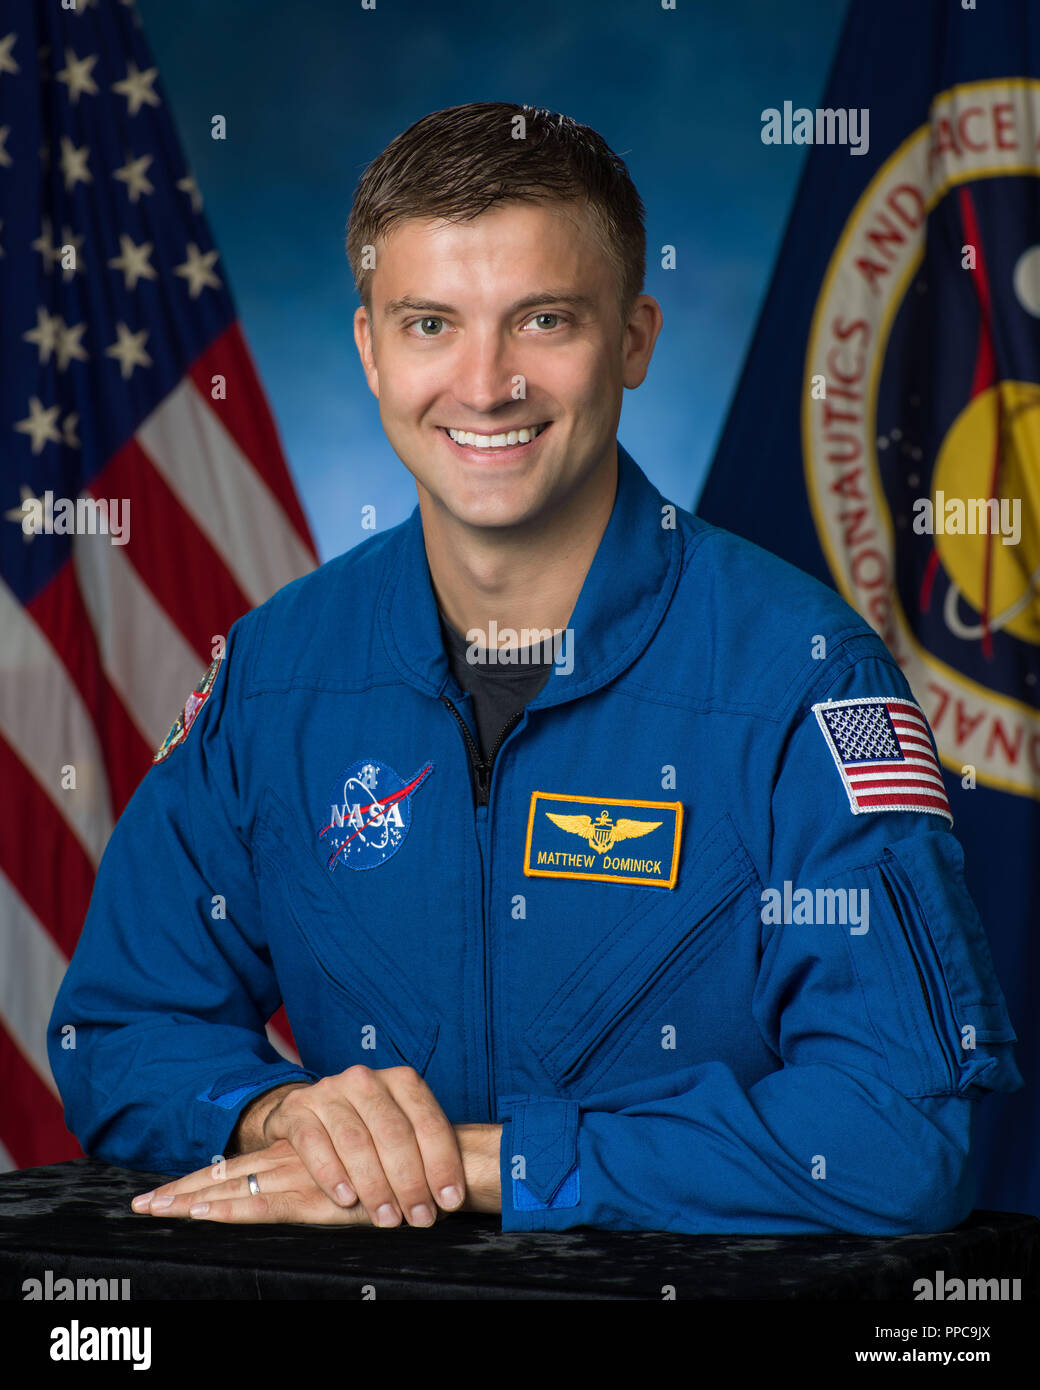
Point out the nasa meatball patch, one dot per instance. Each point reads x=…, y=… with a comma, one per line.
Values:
x=369, y=812
x=180, y=726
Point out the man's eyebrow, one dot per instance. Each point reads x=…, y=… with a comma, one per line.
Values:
x=408, y=304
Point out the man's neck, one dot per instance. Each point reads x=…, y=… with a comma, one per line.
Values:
x=520, y=577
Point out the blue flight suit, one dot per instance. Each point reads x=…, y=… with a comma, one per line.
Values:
x=581, y=945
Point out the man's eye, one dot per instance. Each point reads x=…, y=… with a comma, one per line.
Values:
x=422, y=324
x=546, y=316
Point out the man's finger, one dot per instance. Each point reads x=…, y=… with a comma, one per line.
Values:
x=336, y=1165
x=310, y=1209
x=206, y=1177
x=275, y=1179
x=438, y=1143
x=397, y=1147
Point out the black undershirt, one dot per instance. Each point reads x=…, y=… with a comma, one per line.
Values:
x=498, y=691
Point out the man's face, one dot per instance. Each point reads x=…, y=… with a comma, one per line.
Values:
x=507, y=322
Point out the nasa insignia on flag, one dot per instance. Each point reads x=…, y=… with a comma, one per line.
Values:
x=882, y=747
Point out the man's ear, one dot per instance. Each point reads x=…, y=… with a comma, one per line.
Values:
x=644, y=324
x=366, y=348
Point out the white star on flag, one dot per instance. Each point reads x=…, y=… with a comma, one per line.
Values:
x=18, y=514
x=133, y=261
x=69, y=436
x=7, y=63
x=129, y=350
x=134, y=176
x=44, y=335
x=76, y=74
x=45, y=246
x=74, y=164
x=40, y=423
x=189, y=186
x=198, y=269
x=68, y=238
x=69, y=345
x=137, y=88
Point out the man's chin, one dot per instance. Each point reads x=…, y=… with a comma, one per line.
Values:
x=482, y=513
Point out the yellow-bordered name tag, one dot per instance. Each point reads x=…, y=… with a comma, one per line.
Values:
x=606, y=838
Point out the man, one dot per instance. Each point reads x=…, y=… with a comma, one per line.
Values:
x=668, y=932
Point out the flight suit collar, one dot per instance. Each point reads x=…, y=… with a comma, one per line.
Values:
x=626, y=593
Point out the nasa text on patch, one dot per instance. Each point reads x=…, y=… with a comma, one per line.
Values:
x=369, y=813
x=610, y=839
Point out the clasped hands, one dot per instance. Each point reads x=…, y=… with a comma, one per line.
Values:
x=363, y=1148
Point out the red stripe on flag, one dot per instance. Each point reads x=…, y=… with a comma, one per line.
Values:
x=59, y=612
x=32, y=1121
x=902, y=798
x=247, y=418
x=280, y=1023
x=33, y=833
x=196, y=589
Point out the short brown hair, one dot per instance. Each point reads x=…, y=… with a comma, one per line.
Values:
x=459, y=162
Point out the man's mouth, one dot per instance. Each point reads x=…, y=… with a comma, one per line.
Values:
x=492, y=443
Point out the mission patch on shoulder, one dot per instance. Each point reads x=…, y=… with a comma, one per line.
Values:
x=198, y=697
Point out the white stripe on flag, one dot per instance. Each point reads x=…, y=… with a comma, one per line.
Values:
x=143, y=653
x=223, y=493
x=898, y=773
x=33, y=970
x=44, y=719
x=281, y=1046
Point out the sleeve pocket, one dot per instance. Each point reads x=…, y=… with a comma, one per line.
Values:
x=963, y=1020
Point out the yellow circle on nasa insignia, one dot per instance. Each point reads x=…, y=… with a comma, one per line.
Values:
x=964, y=470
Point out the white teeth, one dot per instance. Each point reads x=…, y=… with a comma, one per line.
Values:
x=496, y=441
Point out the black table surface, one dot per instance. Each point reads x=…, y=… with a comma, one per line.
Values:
x=74, y=1219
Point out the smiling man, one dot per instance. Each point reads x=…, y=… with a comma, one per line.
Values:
x=523, y=912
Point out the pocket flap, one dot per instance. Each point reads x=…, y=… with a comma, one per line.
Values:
x=349, y=956
x=950, y=942
x=640, y=951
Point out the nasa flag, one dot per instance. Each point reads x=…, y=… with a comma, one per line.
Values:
x=885, y=433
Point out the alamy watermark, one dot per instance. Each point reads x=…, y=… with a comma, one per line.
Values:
x=64, y=1289
x=523, y=646
x=77, y=516
x=969, y=516
x=802, y=906
x=942, y=1289
x=827, y=126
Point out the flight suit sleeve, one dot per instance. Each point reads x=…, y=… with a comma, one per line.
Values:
x=170, y=987
x=888, y=1029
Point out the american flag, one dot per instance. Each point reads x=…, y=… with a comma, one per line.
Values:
x=124, y=378
x=883, y=750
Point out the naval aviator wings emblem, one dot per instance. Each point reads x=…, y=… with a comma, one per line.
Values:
x=551, y=850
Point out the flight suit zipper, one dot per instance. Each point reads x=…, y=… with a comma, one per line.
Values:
x=483, y=800
x=482, y=769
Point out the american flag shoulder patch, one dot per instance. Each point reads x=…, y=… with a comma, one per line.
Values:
x=882, y=747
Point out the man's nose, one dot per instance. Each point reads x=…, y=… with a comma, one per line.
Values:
x=485, y=372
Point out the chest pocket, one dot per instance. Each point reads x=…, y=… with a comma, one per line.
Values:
x=371, y=986
x=648, y=957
